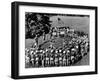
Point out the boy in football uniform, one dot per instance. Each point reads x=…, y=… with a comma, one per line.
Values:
x=36, y=60
x=52, y=58
x=27, y=60
x=69, y=57
x=82, y=49
x=40, y=57
x=77, y=53
x=73, y=50
x=64, y=58
x=60, y=59
x=46, y=59
x=32, y=59
x=43, y=58
x=56, y=58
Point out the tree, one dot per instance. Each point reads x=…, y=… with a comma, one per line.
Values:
x=36, y=24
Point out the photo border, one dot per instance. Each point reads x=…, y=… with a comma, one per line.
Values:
x=15, y=39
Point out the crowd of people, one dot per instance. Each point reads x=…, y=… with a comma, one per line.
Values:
x=68, y=55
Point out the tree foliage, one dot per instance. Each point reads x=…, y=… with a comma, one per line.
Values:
x=36, y=24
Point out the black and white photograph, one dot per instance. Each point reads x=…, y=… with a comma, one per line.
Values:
x=50, y=40
x=56, y=40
